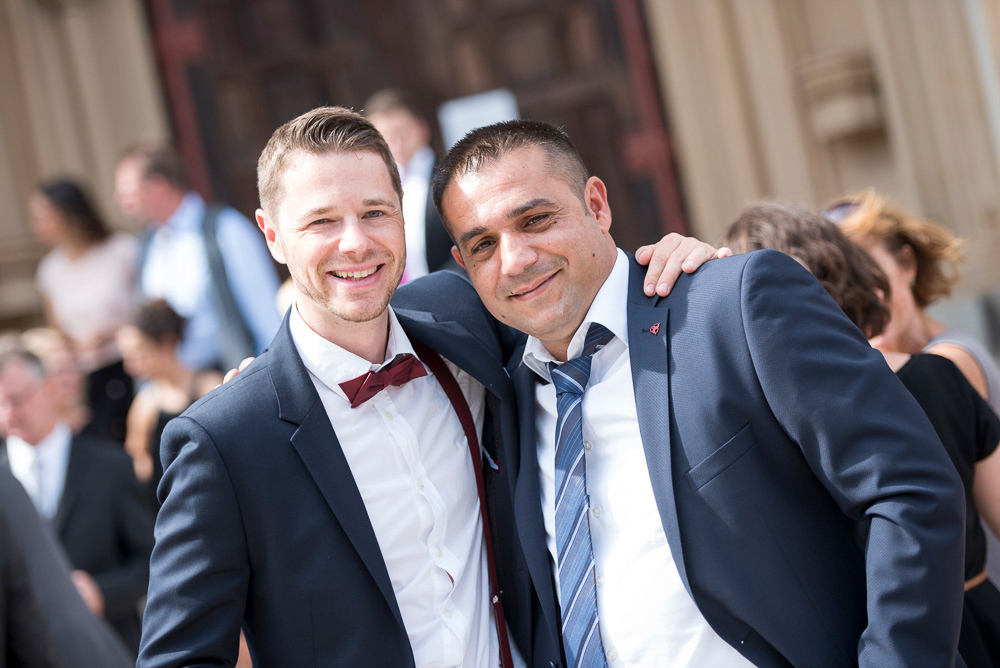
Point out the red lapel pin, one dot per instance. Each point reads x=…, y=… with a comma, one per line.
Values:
x=655, y=329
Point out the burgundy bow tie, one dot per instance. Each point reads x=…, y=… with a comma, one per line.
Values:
x=400, y=370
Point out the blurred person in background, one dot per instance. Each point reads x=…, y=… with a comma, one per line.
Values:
x=149, y=345
x=965, y=423
x=63, y=368
x=86, y=489
x=207, y=260
x=43, y=620
x=407, y=132
x=919, y=258
x=87, y=282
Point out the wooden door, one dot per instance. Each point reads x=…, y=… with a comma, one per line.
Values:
x=236, y=69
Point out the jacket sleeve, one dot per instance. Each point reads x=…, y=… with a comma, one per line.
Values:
x=199, y=571
x=125, y=584
x=22, y=620
x=872, y=447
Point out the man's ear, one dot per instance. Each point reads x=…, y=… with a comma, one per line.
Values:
x=458, y=256
x=268, y=226
x=595, y=198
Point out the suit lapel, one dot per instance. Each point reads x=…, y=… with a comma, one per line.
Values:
x=459, y=346
x=648, y=327
x=527, y=496
x=316, y=444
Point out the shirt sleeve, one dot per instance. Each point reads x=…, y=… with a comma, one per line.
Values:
x=251, y=275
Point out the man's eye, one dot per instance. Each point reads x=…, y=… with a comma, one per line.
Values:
x=540, y=218
x=319, y=221
x=374, y=214
x=481, y=246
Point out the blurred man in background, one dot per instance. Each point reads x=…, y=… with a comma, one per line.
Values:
x=84, y=487
x=408, y=133
x=207, y=260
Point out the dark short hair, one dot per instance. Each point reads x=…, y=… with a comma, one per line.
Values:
x=319, y=131
x=487, y=145
x=157, y=160
x=844, y=269
x=158, y=321
x=72, y=201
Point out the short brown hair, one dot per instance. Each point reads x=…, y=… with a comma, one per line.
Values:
x=487, y=145
x=157, y=160
x=845, y=270
x=935, y=248
x=322, y=130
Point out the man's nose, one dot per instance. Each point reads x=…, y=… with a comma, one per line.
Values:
x=515, y=254
x=354, y=237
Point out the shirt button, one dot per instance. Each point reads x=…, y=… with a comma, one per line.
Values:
x=612, y=654
x=587, y=445
x=420, y=484
x=600, y=580
x=597, y=511
x=388, y=416
x=437, y=551
x=447, y=613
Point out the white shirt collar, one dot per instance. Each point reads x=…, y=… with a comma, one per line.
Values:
x=331, y=364
x=608, y=308
x=52, y=449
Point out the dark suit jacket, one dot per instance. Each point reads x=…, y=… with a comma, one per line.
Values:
x=262, y=525
x=773, y=434
x=105, y=526
x=45, y=617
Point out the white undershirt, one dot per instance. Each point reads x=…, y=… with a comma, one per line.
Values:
x=41, y=468
x=647, y=617
x=411, y=463
x=416, y=185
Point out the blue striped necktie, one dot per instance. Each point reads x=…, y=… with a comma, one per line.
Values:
x=580, y=628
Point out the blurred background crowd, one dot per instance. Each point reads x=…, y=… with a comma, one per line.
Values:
x=132, y=273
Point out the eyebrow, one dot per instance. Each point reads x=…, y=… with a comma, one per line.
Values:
x=513, y=213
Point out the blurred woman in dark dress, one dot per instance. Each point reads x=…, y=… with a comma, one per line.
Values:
x=149, y=347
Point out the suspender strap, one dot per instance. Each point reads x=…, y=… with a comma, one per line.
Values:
x=458, y=402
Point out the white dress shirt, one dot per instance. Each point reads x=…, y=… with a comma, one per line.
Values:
x=416, y=178
x=410, y=460
x=647, y=617
x=41, y=468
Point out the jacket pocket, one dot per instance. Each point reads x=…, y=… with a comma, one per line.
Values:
x=726, y=455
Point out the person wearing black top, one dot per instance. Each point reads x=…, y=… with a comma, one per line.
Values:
x=965, y=423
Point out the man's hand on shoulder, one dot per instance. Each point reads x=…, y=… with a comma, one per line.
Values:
x=670, y=256
x=232, y=373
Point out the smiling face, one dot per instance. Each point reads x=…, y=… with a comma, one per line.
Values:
x=536, y=251
x=338, y=226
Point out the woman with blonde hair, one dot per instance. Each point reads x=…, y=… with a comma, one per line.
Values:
x=918, y=257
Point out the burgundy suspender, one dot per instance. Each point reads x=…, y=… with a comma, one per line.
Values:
x=458, y=402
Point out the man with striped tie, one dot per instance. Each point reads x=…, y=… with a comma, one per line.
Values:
x=694, y=472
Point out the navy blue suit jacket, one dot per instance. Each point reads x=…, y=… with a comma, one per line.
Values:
x=812, y=512
x=262, y=525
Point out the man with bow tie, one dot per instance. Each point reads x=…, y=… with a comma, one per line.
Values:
x=332, y=500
